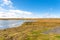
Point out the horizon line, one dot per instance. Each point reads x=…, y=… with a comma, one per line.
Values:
x=25, y=18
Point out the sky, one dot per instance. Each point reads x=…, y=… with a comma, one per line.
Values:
x=30, y=9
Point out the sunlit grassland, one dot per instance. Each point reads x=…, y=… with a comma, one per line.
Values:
x=32, y=31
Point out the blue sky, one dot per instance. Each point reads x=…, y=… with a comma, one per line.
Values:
x=30, y=8
x=35, y=5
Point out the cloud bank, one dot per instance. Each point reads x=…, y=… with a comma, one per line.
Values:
x=7, y=10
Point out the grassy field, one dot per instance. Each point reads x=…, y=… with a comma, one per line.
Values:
x=33, y=30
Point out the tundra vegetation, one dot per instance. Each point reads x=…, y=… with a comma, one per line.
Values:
x=37, y=30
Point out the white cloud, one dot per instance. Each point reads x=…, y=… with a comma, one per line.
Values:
x=14, y=13
x=6, y=3
x=19, y=11
x=7, y=10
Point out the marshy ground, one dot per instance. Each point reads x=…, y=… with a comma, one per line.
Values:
x=39, y=29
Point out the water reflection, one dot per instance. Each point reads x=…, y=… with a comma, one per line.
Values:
x=11, y=23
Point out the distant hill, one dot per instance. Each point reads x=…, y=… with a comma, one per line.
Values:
x=32, y=30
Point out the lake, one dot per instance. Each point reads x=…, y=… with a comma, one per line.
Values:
x=11, y=23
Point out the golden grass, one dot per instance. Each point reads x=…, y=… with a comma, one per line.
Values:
x=32, y=30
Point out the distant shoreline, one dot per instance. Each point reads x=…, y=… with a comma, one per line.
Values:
x=27, y=18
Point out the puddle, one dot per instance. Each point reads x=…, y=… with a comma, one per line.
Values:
x=54, y=30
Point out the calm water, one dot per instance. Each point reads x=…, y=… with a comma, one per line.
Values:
x=11, y=23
